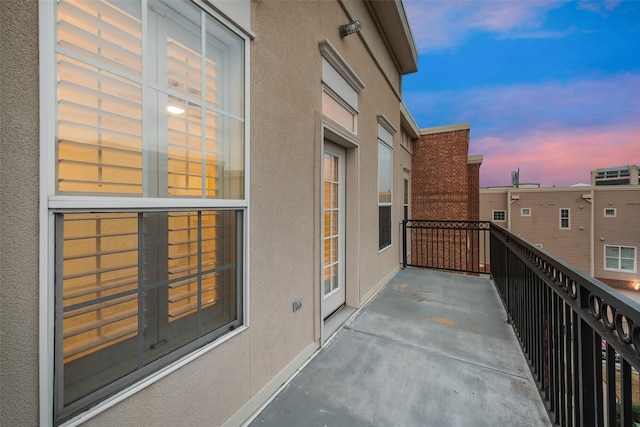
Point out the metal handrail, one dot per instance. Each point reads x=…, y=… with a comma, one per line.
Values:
x=578, y=334
x=451, y=245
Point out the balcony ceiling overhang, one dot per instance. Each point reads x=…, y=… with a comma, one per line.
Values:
x=395, y=26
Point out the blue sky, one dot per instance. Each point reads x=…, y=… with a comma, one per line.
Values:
x=552, y=88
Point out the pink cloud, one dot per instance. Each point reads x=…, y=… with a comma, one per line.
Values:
x=557, y=157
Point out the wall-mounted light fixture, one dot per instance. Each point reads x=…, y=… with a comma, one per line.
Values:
x=350, y=28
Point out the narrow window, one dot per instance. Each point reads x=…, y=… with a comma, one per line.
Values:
x=565, y=222
x=405, y=201
x=499, y=216
x=385, y=167
x=610, y=212
x=525, y=212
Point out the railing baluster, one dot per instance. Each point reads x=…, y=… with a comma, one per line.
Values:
x=610, y=359
x=626, y=410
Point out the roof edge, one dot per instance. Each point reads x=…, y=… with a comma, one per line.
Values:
x=473, y=159
x=393, y=21
x=407, y=122
x=446, y=128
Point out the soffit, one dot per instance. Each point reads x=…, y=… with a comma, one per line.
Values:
x=395, y=26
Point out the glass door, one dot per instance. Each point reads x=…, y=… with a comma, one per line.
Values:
x=333, y=219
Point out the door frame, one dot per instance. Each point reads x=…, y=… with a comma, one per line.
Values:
x=335, y=135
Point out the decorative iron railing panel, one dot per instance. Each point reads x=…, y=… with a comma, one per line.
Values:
x=580, y=337
x=446, y=245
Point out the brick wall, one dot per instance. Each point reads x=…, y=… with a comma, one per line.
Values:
x=445, y=186
x=440, y=176
x=473, y=208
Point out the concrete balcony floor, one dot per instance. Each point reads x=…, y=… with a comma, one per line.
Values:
x=431, y=349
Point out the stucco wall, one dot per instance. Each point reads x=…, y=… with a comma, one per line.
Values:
x=285, y=244
x=19, y=159
x=285, y=95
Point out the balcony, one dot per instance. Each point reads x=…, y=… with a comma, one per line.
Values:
x=535, y=343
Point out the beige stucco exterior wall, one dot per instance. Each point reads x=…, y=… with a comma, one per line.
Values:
x=375, y=43
x=285, y=235
x=623, y=230
x=19, y=165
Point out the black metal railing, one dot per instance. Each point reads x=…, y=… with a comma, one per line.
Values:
x=580, y=337
x=461, y=246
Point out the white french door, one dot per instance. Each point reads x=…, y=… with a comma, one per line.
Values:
x=333, y=228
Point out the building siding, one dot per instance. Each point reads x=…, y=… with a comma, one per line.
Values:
x=583, y=244
x=623, y=230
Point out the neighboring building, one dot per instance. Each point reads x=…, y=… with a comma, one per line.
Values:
x=190, y=189
x=621, y=175
x=594, y=228
x=445, y=191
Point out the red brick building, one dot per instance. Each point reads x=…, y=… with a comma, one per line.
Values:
x=446, y=186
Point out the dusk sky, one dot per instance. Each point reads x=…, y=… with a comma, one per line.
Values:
x=552, y=88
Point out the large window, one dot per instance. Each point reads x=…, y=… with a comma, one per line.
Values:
x=620, y=258
x=150, y=106
x=565, y=218
x=385, y=167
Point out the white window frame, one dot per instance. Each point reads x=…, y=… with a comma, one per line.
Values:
x=620, y=270
x=525, y=212
x=613, y=213
x=385, y=140
x=568, y=218
x=343, y=104
x=406, y=198
x=494, y=212
x=51, y=204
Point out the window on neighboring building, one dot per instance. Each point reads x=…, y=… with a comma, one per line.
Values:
x=565, y=218
x=138, y=287
x=499, y=215
x=609, y=212
x=525, y=212
x=385, y=167
x=620, y=258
